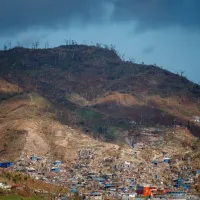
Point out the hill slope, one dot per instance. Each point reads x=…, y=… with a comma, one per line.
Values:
x=56, y=102
x=95, y=81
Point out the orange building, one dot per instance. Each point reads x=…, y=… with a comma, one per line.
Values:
x=147, y=191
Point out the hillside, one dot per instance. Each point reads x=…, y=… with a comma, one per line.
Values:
x=29, y=125
x=57, y=102
x=96, y=81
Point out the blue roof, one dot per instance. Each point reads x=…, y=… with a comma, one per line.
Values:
x=56, y=169
x=74, y=190
x=6, y=164
x=186, y=186
x=101, y=179
x=64, y=198
x=177, y=193
x=109, y=185
x=156, y=177
x=93, y=193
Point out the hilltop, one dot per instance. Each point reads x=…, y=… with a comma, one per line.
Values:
x=56, y=102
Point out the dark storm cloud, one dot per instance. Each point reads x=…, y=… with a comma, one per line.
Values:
x=151, y=14
x=19, y=15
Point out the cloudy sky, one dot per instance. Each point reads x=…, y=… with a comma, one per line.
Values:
x=165, y=32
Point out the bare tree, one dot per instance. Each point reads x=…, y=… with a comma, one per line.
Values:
x=70, y=41
x=18, y=44
x=9, y=45
x=74, y=42
x=66, y=42
x=98, y=45
x=106, y=46
x=113, y=48
x=5, y=47
x=122, y=57
x=46, y=45
x=35, y=44
x=132, y=60
x=182, y=72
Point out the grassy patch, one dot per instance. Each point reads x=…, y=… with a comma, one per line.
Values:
x=16, y=197
x=89, y=114
x=123, y=125
x=70, y=106
x=97, y=122
x=113, y=134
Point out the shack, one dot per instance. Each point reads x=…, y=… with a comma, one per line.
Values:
x=31, y=169
x=33, y=158
x=55, y=169
x=167, y=160
x=6, y=164
x=57, y=162
x=178, y=182
x=108, y=186
x=96, y=195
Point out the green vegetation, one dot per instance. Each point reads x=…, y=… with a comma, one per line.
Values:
x=96, y=119
x=85, y=113
x=112, y=134
x=16, y=197
x=16, y=178
x=26, y=192
x=70, y=106
x=89, y=114
x=98, y=123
